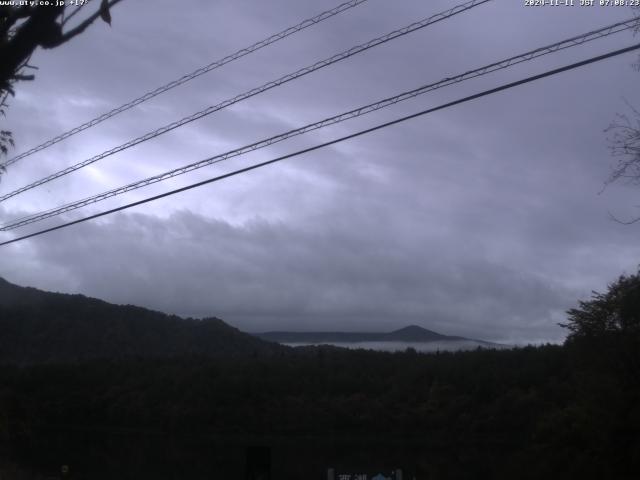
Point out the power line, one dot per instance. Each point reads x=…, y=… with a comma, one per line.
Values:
x=255, y=91
x=514, y=60
x=337, y=140
x=190, y=76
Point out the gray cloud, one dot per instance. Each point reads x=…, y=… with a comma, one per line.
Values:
x=342, y=270
x=481, y=220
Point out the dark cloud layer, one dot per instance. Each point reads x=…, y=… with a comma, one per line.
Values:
x=334, y=272
x=482, y=220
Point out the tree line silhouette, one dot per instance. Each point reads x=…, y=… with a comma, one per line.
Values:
x=569, y=410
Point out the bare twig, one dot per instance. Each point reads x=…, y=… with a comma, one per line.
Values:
x=623, y=222
x=624, y=143
x=77, y=30
x=72, y=14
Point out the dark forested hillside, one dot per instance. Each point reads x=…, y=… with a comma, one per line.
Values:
x=507, y=414
x=570, y=411
x=37, y=326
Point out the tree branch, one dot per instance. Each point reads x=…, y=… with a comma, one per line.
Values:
x=622, y=222
x=11, y=15
x=72, y=14
x=65, y=37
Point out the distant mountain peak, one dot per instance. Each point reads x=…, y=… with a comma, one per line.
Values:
x=415, y=333
x=411, y=333
x=413, y=329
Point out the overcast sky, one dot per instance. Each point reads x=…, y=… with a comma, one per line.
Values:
x=483, y=220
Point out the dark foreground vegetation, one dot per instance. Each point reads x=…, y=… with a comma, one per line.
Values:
x=529, y=413
x=570, y=411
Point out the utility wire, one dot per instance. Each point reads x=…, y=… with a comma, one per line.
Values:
x=527, y=56
x=255, y=91
x=337, y=140
x=190, y=76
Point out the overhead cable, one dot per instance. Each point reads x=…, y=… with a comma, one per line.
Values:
x=372, y=107
x=255, y=91
x=190, y=76
x=333, y=142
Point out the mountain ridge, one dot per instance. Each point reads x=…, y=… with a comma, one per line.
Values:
x=408, y=334
x=40, y=327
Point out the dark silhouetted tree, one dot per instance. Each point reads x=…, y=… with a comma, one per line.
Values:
x=24, y=28
x=624, y=141
x=624, y=144
x=606, y=329
x=616, y=312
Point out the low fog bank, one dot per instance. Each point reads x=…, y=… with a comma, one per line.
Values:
x=424, y=347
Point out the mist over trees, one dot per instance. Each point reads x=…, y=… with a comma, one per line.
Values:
x=570, y=411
